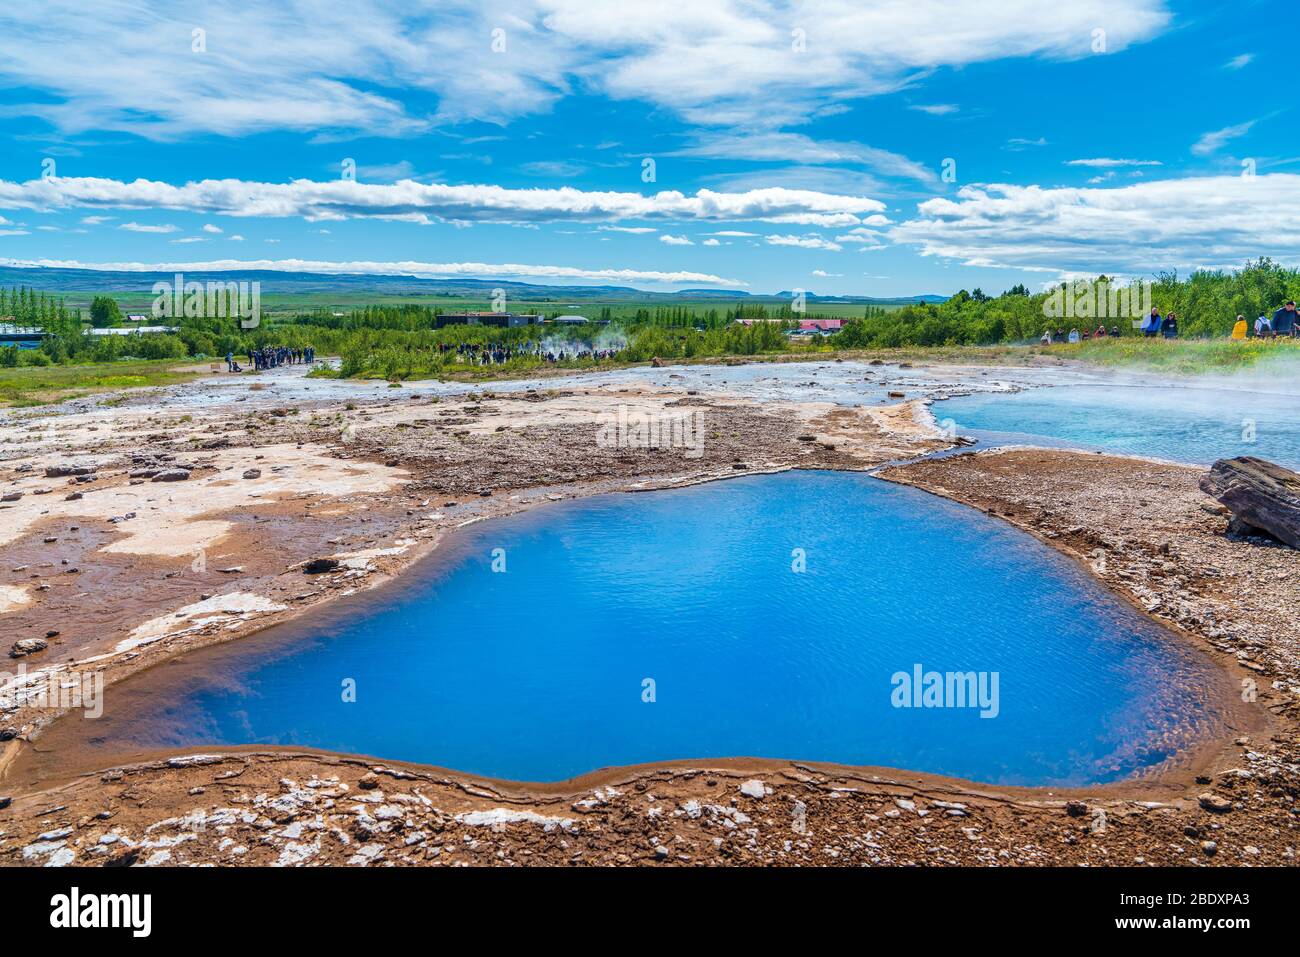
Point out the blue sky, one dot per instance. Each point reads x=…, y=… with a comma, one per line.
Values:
x=877, y=148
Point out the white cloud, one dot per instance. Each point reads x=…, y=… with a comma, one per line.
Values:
x=776, y=146
x=209, y=228
x=387, y=172
x=1135, y=229
x=635, y=230
x=418, y=269
x=1018, y=143
x=410, y=201
x=146, y=228
x=676, y=240
x=861, y=236
x=236, y=238
x=319, y=66
x=1104, y=162
x=823, y=274
x=556, y=169
x=712, y=242
x=936, y=109
x=95, y=220
x=810, y=241
x=1239, y=61
x=188, y=239
x=1212, y=142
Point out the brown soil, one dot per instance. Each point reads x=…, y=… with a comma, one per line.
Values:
x=393, y=476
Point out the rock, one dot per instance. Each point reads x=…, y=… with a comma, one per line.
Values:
x=27, y=646
x=252, y=473
x=1210, y=848
x=72, y=496
x=317, y=566
x=1214, y=802
x=5, y=802
x=172, y=475
x=897, y=395
x=369, y=781
x=11, y=496
x=1076, y=808
x=8, y=734
x=67, y=468
x=754, y=789
x=1261, y=495
x=661, y=852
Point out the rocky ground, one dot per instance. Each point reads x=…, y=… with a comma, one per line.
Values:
x=366, y=486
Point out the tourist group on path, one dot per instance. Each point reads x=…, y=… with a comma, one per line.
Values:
x=1283, y=323
x=271, y=357
x=496, y=354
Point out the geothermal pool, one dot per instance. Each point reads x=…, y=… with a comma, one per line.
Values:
x=1181, y=423
x=777, y=616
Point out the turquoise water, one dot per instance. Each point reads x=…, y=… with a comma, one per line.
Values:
x=1196, y=425
x=538, y=672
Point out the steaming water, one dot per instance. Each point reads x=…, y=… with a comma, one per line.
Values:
x=537, y=673
x=1196, y=424
x=1177, y=419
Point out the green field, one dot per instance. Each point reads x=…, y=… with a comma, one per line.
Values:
x=39, y=385
x=282, y=305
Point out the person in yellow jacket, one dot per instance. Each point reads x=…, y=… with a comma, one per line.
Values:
x=1239, y=330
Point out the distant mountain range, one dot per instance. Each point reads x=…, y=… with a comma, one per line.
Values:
x=93, y=281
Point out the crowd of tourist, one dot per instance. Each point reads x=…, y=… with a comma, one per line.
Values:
x=1283, y=323
x=496, y=353
x=1074, y=335
x=272, y=357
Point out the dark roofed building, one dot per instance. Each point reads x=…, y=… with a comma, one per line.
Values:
x=24, y=337
x=501, y=319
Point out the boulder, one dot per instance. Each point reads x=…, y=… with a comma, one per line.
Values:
x=171, y=475
x=317, y=566
x=1214, y=802
x=1261, y=495
x=27, y=646
x=68, y=468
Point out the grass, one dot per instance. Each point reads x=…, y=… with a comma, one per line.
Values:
x=40, y=385
x=1177, y=357
x=1181, y=356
